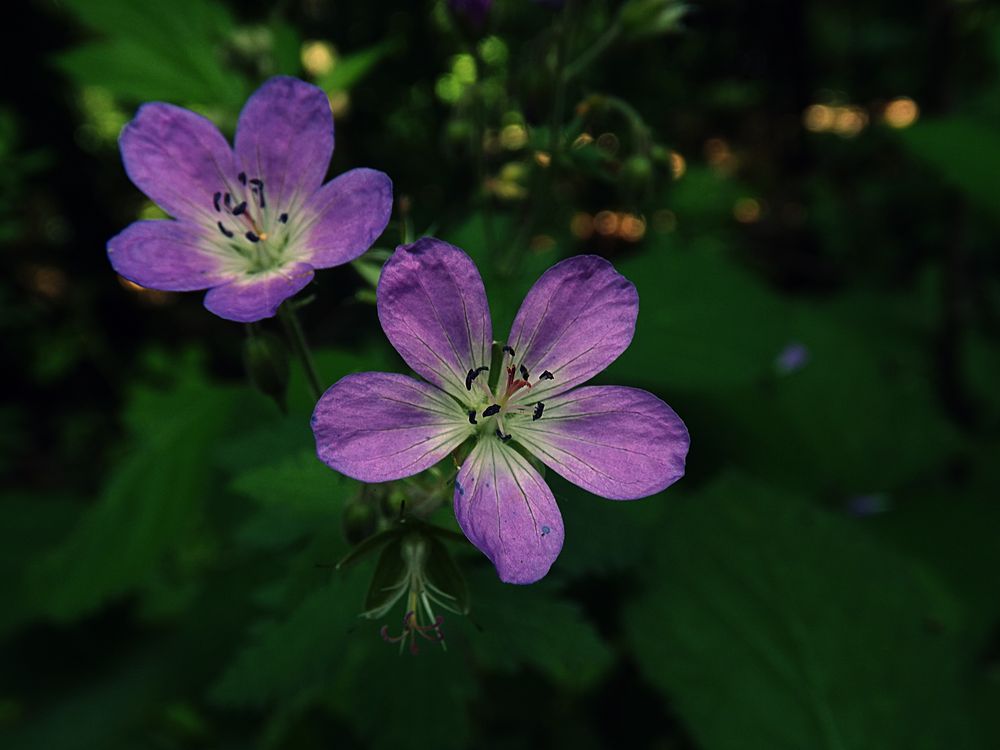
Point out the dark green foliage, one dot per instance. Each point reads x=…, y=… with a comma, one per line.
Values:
x=825, y=574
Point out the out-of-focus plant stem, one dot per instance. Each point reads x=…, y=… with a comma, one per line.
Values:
x=297, y=340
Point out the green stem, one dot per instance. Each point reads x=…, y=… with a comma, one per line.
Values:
x=297, y=339
x=594, y=51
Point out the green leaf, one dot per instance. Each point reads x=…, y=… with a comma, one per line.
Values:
x=964, y=151
x=350, y=69
x=322, y=653
x=704, y=323
x=534, y=626
x=169, y=52
x=292, y=496
x=769, y=623
x=151, y=509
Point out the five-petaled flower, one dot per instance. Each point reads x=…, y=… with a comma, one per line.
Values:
x=251, y=223
x=617, y=442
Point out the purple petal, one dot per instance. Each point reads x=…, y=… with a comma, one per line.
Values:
x=576, y=320
x=378, y=426
x=507, y=511
x=433, y=308
x=620, y=443
x=178, y=158
x=346, y=216
x=170, y=255
x=285, y=138
x=254, y=297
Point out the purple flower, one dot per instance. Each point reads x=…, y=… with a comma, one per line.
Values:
x=793, y=357
x=252, y=223
x=620, y=443
x=475, y=11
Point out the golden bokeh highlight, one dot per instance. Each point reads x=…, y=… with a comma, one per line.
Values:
x=152, y=296
x=318, y=58
x=47, y=281
x=632, y=228
x=746, y=210
x=719, y=155
x=513, y=137
x=584, y=139
x=818, y=118
x=901, y=113
x=850, y=121
x=582, y=225
x=543, y=158
x=678, y=166
x=845, y=120
x=541, y=242
x=606, y=223
x=340, y=103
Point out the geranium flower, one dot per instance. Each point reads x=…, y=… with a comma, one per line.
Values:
x=251, y=224
x=617, y=442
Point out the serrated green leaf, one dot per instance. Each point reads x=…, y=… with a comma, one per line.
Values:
x=152, y=505
x=534, y=626
x=350, y=69
x=964, y=151
x=797, y=627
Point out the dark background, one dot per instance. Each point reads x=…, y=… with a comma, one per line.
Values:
x=806, y=196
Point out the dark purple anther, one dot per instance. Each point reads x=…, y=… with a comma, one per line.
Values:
x=252, y=237
x=503, y=438
x=524, y=372
x=539, y=408
x=283, y=218
x=225, y=231
x=242, y=176
x=546, y=376
x=228, y=201
x=240, y=208
x=472, y=375
x=472, y=417
x=509, y=350
x=215, y=201
x=490, y=410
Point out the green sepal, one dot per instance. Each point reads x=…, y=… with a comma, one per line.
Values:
x=445, y=579
x=372, y=543
x=388, y=582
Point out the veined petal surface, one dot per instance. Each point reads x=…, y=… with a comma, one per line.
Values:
x=433, y=308
x=505, y=508
x=177, y=158
x=345, y=216
x=617, y=442
x=257, y=296
x=378, y=426
x=576, y=320
x=285, y=138
x=175, y=256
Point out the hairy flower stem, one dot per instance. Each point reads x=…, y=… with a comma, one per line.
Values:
x=541, y=180
x=297, y=340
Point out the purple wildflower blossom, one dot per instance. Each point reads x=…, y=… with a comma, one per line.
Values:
x=617, y=442
x=793, y=357
x=251, y=223
x=475, y=11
